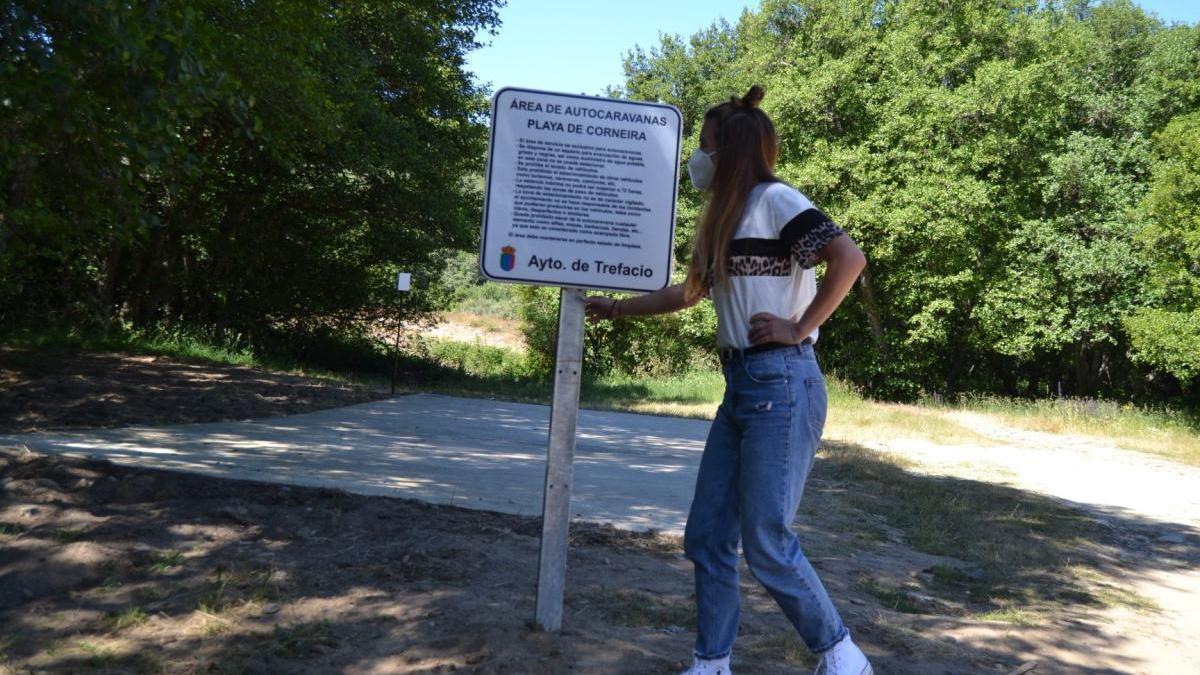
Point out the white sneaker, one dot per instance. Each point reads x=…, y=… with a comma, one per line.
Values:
x=708, y=667
x=844, y=659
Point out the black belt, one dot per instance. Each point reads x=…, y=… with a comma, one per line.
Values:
x=734, y=354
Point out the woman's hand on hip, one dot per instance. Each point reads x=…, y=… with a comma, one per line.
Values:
x=766, y=327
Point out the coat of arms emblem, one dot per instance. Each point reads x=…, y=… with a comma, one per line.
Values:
x=508, y=258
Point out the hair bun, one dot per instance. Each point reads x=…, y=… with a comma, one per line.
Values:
x=753, y=97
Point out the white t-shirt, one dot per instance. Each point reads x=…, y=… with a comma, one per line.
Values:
x=770, y=261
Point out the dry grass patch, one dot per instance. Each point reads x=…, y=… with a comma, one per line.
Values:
x=116, y=622
x=634, y=608
x=785, y=647
x=1166, y=432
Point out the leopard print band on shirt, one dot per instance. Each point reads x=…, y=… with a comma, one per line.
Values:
x=799, y=242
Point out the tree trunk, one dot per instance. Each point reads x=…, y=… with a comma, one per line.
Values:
x=871, y=308
x=153, y=281
x=108, y=284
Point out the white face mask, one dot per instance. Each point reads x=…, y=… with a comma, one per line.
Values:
x=701, y=168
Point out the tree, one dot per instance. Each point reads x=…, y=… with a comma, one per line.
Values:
x=988, y=156
x=1166, y=333
x=235, y=167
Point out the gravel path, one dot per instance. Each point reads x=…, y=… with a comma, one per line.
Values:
x=1092, y=473
x=1111, y=484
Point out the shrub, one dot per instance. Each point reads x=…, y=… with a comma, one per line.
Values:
x=470, y=292
x=653, y=345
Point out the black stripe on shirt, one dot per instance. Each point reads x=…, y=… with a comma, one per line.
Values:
x=775, y=248
x=807, y=234
x=804, y=223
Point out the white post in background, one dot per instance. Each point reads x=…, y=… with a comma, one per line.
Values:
x=403, y=285
x=556, y=506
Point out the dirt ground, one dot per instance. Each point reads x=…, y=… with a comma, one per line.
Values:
x=110, y=569
x=43, y=390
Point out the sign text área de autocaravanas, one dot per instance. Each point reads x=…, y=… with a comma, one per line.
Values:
x=580, y=191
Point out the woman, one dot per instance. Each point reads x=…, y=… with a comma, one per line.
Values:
x=756, y=245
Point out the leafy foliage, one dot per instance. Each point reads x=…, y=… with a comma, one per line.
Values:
x=1023, y=176
x=470, y=292
x=240, y=167
x=997, y=163
x=1166, y=334
x=647, y=346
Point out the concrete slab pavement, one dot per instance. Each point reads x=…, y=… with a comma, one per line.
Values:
x=635, y=471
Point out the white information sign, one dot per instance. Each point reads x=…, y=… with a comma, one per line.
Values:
x=580, y=191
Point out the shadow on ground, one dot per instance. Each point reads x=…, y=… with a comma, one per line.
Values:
x=112, y=569
x=61, y=389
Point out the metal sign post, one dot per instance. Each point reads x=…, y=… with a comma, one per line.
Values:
x=560, y=459
x=580, y=193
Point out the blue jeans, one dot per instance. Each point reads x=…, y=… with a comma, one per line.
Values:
x=756, y=460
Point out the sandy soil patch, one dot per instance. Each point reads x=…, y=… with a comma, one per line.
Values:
x=474, y=328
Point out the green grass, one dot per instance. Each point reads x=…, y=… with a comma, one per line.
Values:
x=487, y=323
x=218, y=628
x=109, y=584
x=487, y=299
x=980, y=522
x=469, y=360
x=1115, y=596
x=113, y=658
x=946, y=575
x=230, y=588
x=695, y=394
x=895, y=599
x=99, y=656
x=118, y=621
x=68, y=536
x=1111, y=595
x=256, y=651
x=855, y=419
x=162, y=561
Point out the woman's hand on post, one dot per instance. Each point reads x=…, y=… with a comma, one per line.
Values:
x=766, y=327
x=600, y=307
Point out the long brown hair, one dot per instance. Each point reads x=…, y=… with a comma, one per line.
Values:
x=747, y=148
